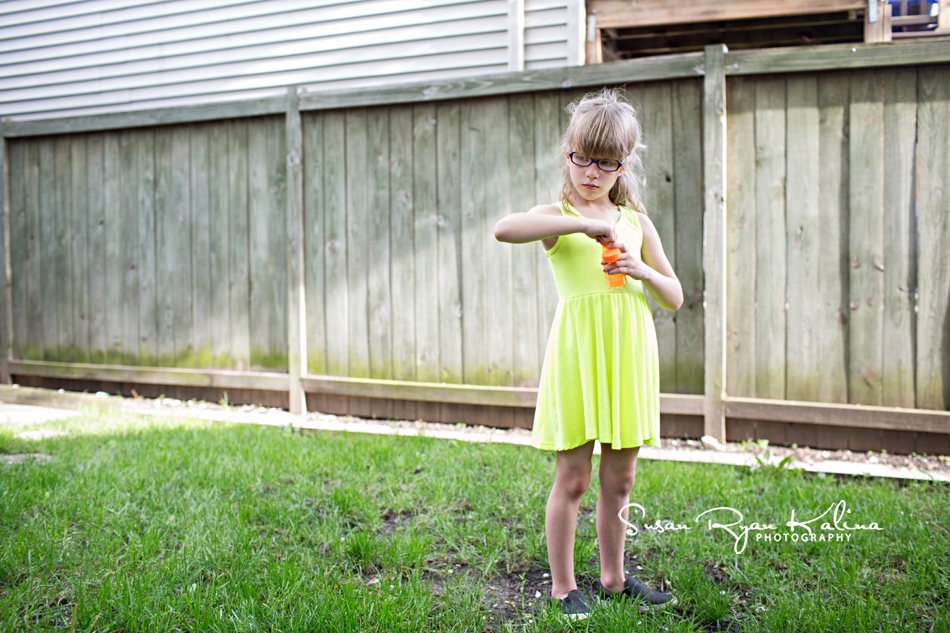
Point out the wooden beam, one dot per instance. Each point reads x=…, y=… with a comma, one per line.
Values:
x=631, y=71
x=144, y=118
x=714, y=257
x=845, y=415
x=6, y=294
x=296, y=284
x=836, y=57
x=624, y=13
x=223, y=379
x=877, y=22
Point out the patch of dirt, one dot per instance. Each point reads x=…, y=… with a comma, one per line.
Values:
x=20, y=458
x=516, y=595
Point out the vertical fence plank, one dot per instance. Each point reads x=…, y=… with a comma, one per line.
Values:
x=19, y=246
x=405, y=248
x=802, y=202
x=201, y=238
x=547, y=187
x=6, y=287
x=314, y=241
x=219, y=256
x=770, y=322
x=114, y=266
x=449, y=153
x=688, y=241
x=427, y=266
x=239, y=250
x=267, y=185
x=49, y=290
x=900, y=120
x=659, y=197
x=933, y=319
x=524, y=260
x=741, y=238
x=173, y=244
x=336, y=204
x=866, y=327
x=357, y=219
x=475, y=184
x=148, y=274
x=716, y=255
x=96, y=256
x=833, y=262
x=378, y=254
x=132, y=173
x=79, y=245
x=62, y=262
x=296, y=238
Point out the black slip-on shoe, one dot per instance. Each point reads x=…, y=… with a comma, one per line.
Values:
x=574, y=606
x=636, y=591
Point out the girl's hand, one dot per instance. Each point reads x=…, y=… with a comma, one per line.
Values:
x=629, y=264
x=600, y=230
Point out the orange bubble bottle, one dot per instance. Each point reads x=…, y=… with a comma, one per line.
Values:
x=610, y=256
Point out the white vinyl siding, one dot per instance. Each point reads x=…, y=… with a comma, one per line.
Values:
x=96, y=56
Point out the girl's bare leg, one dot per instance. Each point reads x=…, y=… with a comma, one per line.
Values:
x=571, y=479
x=617, y=473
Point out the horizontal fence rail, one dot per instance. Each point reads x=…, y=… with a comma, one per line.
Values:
x=339, y=244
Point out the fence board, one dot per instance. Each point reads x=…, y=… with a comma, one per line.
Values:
x=314, y=241
x=113, y=201
x=78, y=247
x=866, y=327
x=770, y=322
x=659, y=196
x=239, y=234
x=48, y=287
x=357, y=209
x=129, y=244
x=20, y=242
x=833, y=177
x=525, y=365
x=899, y=234
x=688, y=235
x=377, y=258
x=449, y=153
x=803, y=241
x=267, y=188
x=427, y=265
x=741, y=237
x=219, y=247
x=547, y=160
x=335, y=204
x=96, y=256
x=202, y=316
x=933, y=320
x=62, y=175
x=403, y=249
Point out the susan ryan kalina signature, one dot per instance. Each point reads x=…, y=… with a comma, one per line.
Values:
x=830, y=526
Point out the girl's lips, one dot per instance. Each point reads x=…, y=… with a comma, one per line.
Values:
x=588, y=185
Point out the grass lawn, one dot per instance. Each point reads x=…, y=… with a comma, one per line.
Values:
x=139, y=524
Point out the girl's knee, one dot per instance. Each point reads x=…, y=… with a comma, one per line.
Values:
x=573, y=485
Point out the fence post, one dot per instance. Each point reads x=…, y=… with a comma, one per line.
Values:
x=296, y=293
x=6, y=297
x=714, y=249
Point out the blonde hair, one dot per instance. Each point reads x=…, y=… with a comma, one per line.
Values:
x=605, y=125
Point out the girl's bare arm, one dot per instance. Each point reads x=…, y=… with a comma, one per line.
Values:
x=546, y=223
x=654, y=269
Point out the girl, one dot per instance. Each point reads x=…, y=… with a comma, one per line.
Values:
x=600, y=378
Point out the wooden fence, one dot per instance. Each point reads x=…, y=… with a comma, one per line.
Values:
x=339, y=246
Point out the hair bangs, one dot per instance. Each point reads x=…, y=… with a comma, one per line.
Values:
x=598, y=135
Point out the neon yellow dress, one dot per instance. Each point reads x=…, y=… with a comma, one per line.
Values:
x=601, y=377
